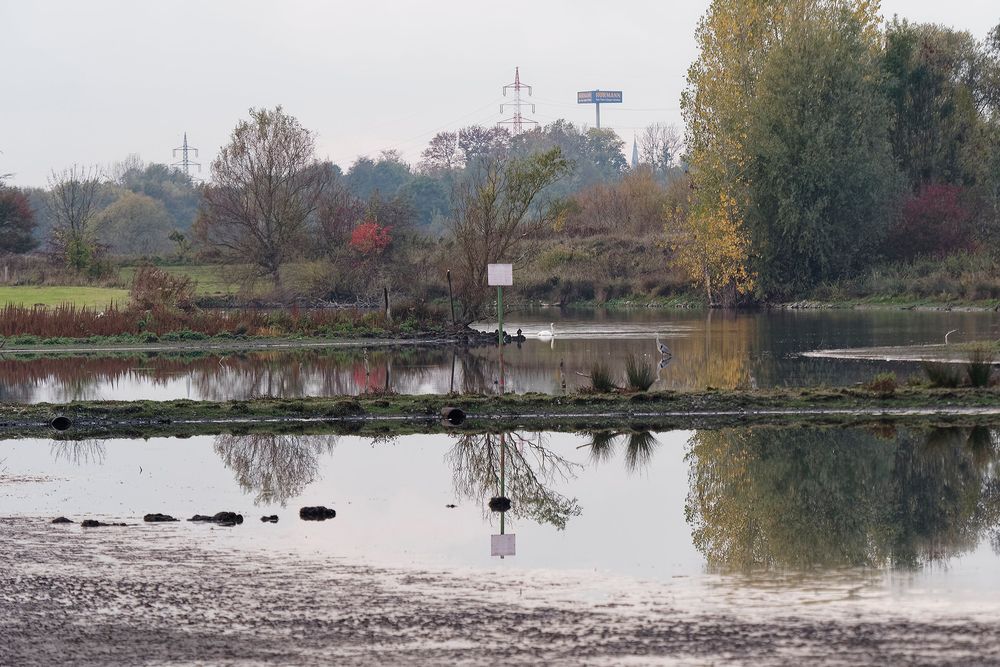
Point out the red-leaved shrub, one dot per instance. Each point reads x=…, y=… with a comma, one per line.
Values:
x=369, y=238
x=934, y=222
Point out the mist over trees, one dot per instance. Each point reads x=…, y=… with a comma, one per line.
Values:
x=822, y=144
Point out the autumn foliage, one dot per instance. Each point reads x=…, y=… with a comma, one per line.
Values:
x=934, y=221
x=16, y=221
x=370, y=238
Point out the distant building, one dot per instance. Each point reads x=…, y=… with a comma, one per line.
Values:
x=635, y=153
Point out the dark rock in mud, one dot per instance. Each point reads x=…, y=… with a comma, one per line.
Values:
x=270, y=519
x=158, y=518
x=221, y=518
x=318, y=513
x=93, y=523
x=500, y=504
x=62, y=519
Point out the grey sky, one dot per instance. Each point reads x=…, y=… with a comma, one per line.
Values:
x=90, y=82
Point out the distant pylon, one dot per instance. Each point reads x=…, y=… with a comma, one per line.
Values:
x=518, y=120
x=185, y=162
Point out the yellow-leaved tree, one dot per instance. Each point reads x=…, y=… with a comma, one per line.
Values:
x=735, y=38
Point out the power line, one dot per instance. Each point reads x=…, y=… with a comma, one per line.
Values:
x=518, y=120
x=186, y=163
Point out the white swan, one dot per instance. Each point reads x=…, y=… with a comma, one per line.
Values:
x=664, y=350
x=547, y=333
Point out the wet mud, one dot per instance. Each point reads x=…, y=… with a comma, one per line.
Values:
x=148, y=595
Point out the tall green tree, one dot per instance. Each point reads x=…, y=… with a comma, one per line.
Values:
x=938, y=85
x=384, y=176
x=820, y=178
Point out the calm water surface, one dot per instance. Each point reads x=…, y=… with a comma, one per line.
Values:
x=831, y=520
x=726, y=350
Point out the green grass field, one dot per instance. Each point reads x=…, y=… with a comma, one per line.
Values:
x=91, y=297
x=208, y=278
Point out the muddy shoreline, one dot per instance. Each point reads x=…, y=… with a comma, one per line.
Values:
x=141, y=596
x=468, y=337
x=400, y=413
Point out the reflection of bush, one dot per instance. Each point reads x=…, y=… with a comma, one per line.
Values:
x=275, y=467
x=80, y=452
x=798, y=498
x=639, y=447
x=530, y=468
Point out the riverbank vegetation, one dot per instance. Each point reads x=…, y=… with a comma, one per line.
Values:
x=397, y=413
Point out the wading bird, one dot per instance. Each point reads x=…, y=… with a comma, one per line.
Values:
x=662, y=347
x=548, y=333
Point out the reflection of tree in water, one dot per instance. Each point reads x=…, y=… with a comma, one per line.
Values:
x=798, y=498
x=530, y=470
x=79, y=452
x=275, y=467
x=638, y=447
x=319, y=372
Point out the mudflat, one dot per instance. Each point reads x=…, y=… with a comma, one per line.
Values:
x=140, y=595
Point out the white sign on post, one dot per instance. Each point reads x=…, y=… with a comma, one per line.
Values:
x=502, y=545
x=499, y=275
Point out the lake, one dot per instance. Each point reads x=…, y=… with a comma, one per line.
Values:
x=746, y=531
x=710, y=348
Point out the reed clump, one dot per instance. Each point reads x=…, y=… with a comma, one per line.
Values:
x=940, y=374
x=979, y=368
x=600, y=378
x=639, y=373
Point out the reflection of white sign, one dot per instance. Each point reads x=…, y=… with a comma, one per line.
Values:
x=499, y=275
x=502, y=545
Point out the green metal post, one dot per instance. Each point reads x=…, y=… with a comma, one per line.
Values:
x=500, y=334
x=500, y=315
x=503, y=466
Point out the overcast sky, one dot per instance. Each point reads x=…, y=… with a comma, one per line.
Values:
x=90, y=82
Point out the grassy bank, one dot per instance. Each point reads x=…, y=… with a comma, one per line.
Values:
x=97, y=298
x=961, y=280
x=68, y=325
x=393, y=413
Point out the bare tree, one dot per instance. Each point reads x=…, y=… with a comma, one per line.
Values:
x=496, y=208
x=276, y=468
x=529, y=468
x=73, y=204
x=659, y=146
x=123, y=170
x=266, y=183
x=442, y=154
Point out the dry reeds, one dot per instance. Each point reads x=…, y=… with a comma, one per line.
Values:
x=68, y=321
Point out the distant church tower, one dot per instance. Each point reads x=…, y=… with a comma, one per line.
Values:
x=635, y=153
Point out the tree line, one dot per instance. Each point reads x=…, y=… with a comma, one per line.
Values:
x=821, y=140
x=477, y=195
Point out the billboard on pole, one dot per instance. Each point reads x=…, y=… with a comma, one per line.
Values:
x=599, y=97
